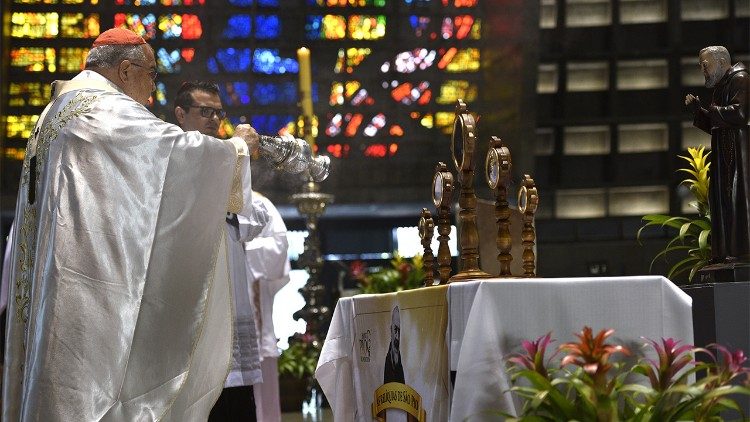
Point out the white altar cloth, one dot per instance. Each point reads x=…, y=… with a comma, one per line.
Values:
x=488, y=319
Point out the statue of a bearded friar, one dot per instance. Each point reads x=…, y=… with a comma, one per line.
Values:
x=726, y=119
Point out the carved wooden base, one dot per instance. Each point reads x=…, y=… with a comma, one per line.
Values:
x=469, y=275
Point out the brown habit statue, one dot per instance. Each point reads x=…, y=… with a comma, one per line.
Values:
x=726, y=120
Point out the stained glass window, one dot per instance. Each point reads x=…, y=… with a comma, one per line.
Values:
x=135, y=2
x=185, y=26
x=235, y=93
x=160, y=96
x=15, y=153
x=168, y=61
x=20, y=126
x=191, y=27
x=29, y=93
x=72, y=59
x=144, y=26
x=459, y=60
x=411, y=61
x=230, y=60
x=238, y=27
x=347, y=3
x=270, y=124
x=380, y=150
x=268, y=93
x=79, y=25
x=249, y=3
x=388, y=72
x=366, y=27
x=269, y=61
x=338, y=150
x=453, y=90
x=170, y=26
x=33, y=59
x=328, y=27
x=34, y=25
x=349, y=58
x=183, y=2
x=267, y=27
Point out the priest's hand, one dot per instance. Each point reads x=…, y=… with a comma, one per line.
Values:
x=249, y=135
x=693, y=102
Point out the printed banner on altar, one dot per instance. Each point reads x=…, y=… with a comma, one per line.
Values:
x=401, y=355
x=395, y=395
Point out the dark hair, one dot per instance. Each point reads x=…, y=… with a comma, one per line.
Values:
x=184, y=96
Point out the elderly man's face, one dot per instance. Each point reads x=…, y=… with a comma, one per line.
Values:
x=204, y=113
x=712, y=68
x=141, y=76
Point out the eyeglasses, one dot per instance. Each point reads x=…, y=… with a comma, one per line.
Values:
x=152, y=73
x=209, y=112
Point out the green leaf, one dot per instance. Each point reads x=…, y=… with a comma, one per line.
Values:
x=703, y=238
x=681, y=267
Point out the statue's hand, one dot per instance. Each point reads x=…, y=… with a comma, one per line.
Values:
x=249, y=135
x=693, y=102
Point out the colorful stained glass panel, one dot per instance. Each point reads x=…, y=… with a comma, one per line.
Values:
x=20, y=126
x=328, y=27
x=34, y=25
x=269, y=61
x=235, y=93
x=144, y=26
x=267, y=27
x=168, y=61
x=363, y=27
x=453, y=90
x=72, y=59
x=33, y=59
x=78, y=25
x=230, y=60
x=29, y=94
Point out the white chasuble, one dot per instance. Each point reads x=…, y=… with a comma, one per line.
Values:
x=120, y=308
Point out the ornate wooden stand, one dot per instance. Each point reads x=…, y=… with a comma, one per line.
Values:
x=498, y=166
x=442, y=197
x=462, y=147
x=426, y=231
x=528, y=201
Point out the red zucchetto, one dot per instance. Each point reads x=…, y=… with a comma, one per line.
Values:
x=118, y=36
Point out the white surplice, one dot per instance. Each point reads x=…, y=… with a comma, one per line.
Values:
x=120, y=301
x=246, y=369
x=268, y=271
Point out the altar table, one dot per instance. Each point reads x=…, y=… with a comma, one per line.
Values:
x=486, y=321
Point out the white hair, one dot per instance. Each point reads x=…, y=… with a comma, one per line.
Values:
x=718, y=52
x=107, y=56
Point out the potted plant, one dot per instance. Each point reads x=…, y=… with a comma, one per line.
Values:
x=586, y=385
x=720, y=311
x=296, y=371
x=691, y=239
x=403, y=274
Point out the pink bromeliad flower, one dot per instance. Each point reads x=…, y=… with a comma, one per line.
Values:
x=673, y=357
x=592, y=354
x=534, y=357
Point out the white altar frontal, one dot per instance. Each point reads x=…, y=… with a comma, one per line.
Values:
x=468, y=329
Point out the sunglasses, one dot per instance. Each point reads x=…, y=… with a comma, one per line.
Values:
x=208, y=112
x=152, y=73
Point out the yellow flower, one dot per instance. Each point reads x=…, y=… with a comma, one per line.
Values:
x=699, y=168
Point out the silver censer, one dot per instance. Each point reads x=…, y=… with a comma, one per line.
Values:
x=294, y=156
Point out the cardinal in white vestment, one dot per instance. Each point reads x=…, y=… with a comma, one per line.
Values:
x=120, y=300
